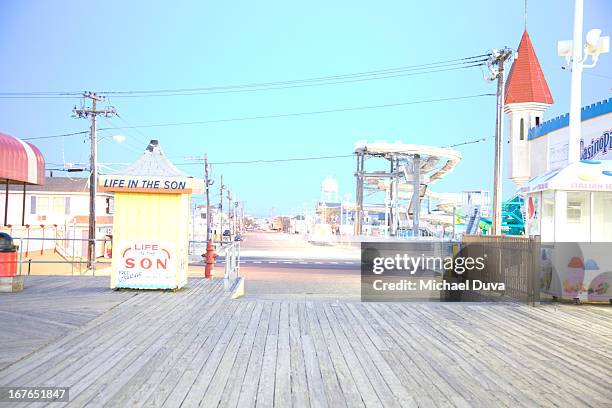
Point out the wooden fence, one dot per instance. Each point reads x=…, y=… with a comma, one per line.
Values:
x=511, y=260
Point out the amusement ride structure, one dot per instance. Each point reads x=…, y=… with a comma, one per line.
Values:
x=403, y=172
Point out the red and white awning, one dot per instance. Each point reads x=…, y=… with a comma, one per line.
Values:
x=20, y=162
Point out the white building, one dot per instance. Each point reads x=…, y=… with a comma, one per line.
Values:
x=563, y=203
x=526, y=99
x=58, y=210
x=219, y=223
x=566, y=204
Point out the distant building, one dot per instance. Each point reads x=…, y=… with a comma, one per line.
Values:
x=219, y=223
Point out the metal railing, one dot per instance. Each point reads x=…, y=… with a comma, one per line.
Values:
x=229, y=250
x=68, y=256
x=231, y=270
x=32, y=251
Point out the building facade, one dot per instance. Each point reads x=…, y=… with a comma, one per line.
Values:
x=59, y=213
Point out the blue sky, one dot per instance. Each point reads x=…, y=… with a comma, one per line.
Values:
x=119, y=45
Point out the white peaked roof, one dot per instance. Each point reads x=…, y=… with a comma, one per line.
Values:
x=153, y=162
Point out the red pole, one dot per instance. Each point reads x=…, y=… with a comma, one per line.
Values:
x=43, y=238
x=28, y=239
x=56, y=236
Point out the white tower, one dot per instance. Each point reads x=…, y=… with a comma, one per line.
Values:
x=329, y=190
x=526, y=99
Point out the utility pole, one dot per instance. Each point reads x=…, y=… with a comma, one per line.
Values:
x=92, y=113
x=229, y=210
x=236, y=226
x=210, y=249
x=416, y=194
x=496, y=65
x=208, y=184
x=221, y=187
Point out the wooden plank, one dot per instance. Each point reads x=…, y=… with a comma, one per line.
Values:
x=248, y=392
x=237, y=376
x=190, y=372
x=150, y=378
x=436, y=383
x=331, y=385
x=469, y=384
x=379, y=384
x=341, y=368
x=265, y=391
x=282, y=384
x=207, y=388
x=299, y=383
x=372, y=344
x=365, y=388
x=49, y=357
x=106, y=373
x=553, y=361
x=473, y=378
x=159, y=387
x=399, y=358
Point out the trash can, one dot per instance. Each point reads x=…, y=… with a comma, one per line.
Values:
x=8, y=256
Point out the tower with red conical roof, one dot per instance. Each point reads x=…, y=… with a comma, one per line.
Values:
x=526, y=98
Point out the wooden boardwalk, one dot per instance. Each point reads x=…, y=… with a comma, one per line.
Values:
x=198, y=348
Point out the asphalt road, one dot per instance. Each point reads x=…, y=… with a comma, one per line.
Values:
x=279, y=266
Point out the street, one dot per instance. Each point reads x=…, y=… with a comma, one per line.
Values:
x=280, y=266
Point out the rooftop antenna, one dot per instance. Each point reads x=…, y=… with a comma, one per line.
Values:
x=525, y=15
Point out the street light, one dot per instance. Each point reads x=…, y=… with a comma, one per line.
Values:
x=116, y=138
x=575, y=57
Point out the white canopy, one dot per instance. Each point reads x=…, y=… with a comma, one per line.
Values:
x=586, y=175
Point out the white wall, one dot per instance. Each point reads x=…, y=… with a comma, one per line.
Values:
x=79, y=205
x=552, y=147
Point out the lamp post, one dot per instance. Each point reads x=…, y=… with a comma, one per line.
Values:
x=575, y=57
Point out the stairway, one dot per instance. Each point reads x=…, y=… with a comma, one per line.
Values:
x=472, y=225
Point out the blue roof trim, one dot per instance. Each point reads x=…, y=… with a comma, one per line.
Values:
x=588, y=112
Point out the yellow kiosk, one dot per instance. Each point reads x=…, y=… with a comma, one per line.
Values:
x=151, y=222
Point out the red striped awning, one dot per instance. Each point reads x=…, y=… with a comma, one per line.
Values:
x=20, y=162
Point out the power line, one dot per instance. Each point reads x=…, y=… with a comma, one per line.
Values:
x=195, y=91
x=204, y=122
x=484, y=139
x=433, y=65
x=283, y=115
x=56, y=136
x=292, y=159
x=458, y=61
x=242, y=89
x=272, y=160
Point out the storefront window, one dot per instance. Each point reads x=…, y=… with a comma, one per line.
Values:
x=578, y=215
x=601, y=223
